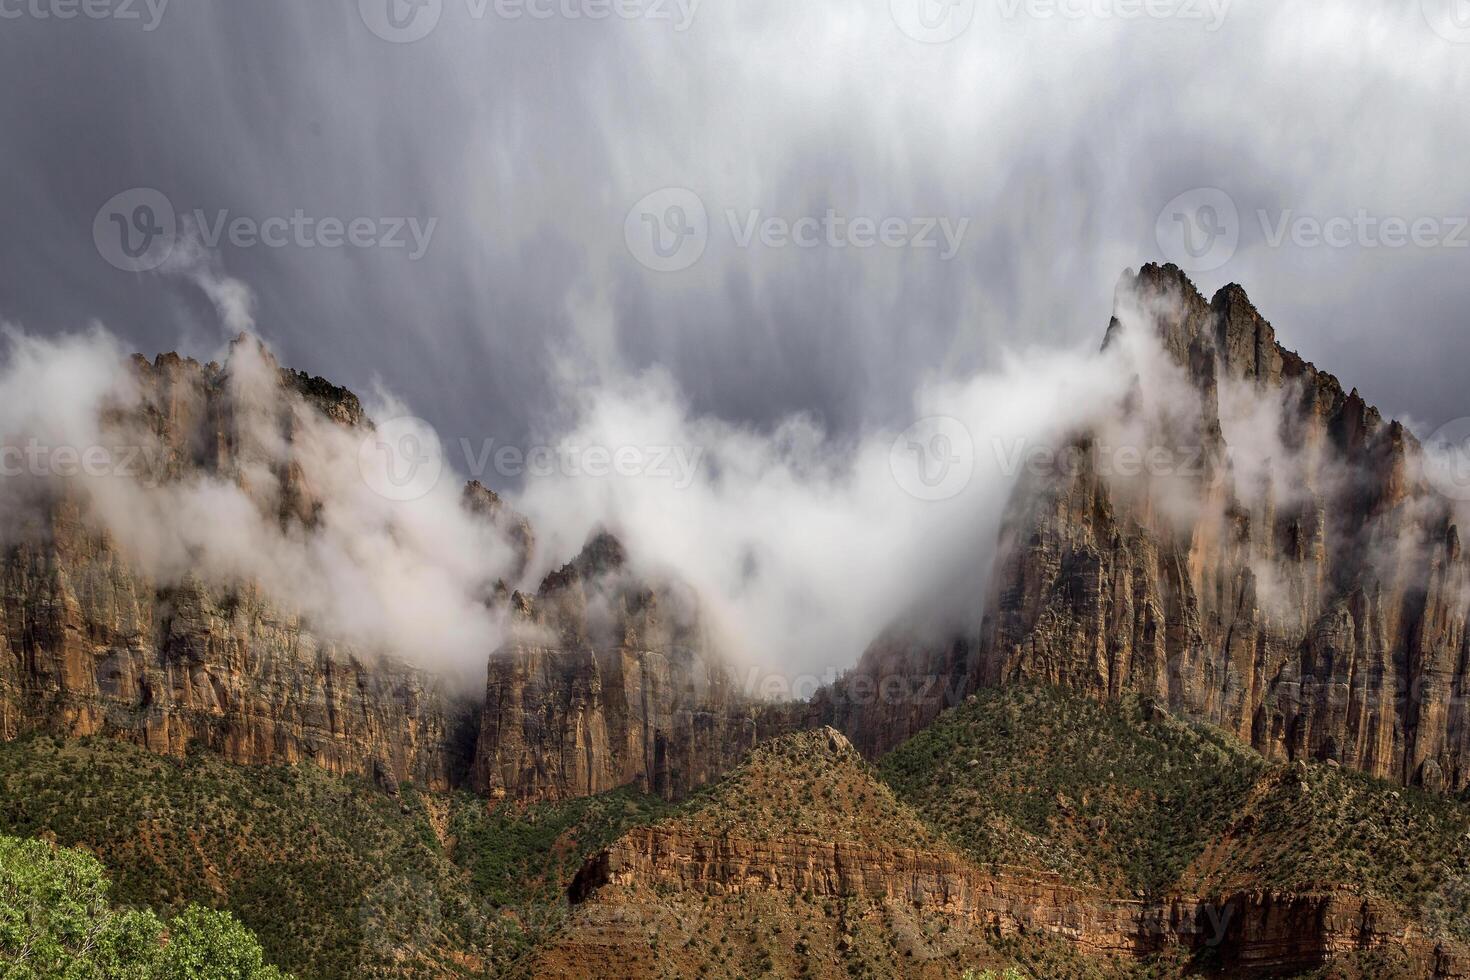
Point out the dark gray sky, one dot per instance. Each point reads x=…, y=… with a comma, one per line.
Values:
x=1060, y=138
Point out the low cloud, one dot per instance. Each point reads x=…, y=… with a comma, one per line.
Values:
x=802, y=545
x=287, y=507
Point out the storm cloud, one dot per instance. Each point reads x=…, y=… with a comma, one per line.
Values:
x=1056, y=133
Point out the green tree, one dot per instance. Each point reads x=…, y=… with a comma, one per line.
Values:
x=208, y=945
x=58, y=923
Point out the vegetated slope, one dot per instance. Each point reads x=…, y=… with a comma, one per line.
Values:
x=800, y=863
x=1124, y=796
x=1099, y=792
x=337, y=878
x=1316, y=827
x=806, y=785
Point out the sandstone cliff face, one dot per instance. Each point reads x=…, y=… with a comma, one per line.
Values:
x=609, y=681
x=1250, y=931
x=936, y=881
x=90, y=645
x=1291, y=577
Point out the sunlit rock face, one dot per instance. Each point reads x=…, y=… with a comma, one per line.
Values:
x=599, y=679
x=611, y=679
x=91, y=644
x=1243, y=541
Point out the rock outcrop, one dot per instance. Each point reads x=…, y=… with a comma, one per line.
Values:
x=89, y=644
x=1259, y=931
x=610, y=679
x=481, y=500
x=1287, y=574
x=664, y=858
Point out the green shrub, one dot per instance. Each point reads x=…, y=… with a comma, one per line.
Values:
x=57, y=920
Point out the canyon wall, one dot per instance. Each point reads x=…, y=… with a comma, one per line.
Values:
x=605, y=680
x=90, y=645
x=611, y=680
x=1313, y=602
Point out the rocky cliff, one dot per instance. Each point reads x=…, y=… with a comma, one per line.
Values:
x=607, y=679
x=1287, y=574
x=937, y=881
x=1244, y=540
x=611, y=678
x=90, y=644
x=1250, y=931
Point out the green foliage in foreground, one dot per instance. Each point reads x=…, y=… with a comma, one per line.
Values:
x=57, y=920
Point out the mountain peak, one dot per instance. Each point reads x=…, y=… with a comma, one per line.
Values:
x=1230, y=294
x=481, y=499
x=1161, y=277
x=602, y=553
x=1165, y=295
